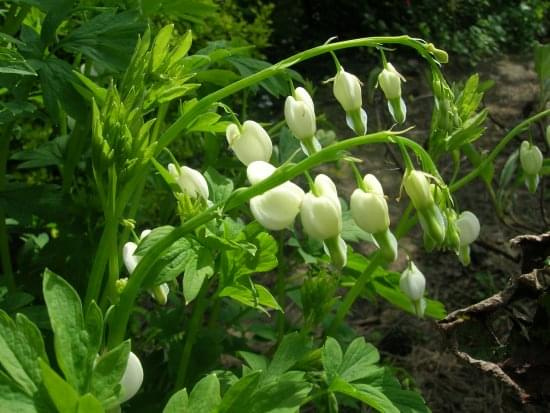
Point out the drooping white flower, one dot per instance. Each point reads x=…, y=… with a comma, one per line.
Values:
x=531, y=158
x=412, y=282
x=300, y=114
x=190, y=181
x=251, y=143
x=132, y=379
x=468, y=228
x=347, y=90
x=276, y=208
x=321, y=213
x=389, y=80
x=418, y=188
x=370, y=209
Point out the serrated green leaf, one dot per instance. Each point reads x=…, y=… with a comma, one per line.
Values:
x=108, y=38
x=181, y=50
x=256, y=296
x=205, y=396
x=255, y=361
x=48, y=154
x=160, y=47
x=358, y=357
x=220, y=186
x=283, y=394
x=293, y=348
x=204, y=122
x=11, y=62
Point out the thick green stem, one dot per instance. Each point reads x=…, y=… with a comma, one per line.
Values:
x=354, y=292
x=280, y=287
x=191, y=335
x=5, y=257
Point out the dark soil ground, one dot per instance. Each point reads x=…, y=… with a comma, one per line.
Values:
x=413, y=344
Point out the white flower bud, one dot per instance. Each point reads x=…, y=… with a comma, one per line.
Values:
x=418, y=188
x=412, y=282
x=277, y=208
x=132, y=379
x=130, y=260
x=191, y=181
x=347, y=90
x=300, y=114
x=250, y=144
x=531, y=158
x=370, y=209
x=468, y=228
x=389, y=80
x=322, y=214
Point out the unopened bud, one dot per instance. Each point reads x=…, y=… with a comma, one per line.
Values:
x=300, y=114
x=389, y=80
x=347, y=90
x=251, y=143
x=531, y=158
x=418, y=188
x=132, y=379
x=413, y=285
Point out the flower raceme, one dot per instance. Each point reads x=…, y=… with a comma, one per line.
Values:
x=159, y=292
x=347, y=90
x=132, y=379
x=250, y=143
x=321, y=216
x=276, y=208
x=191, y=182
x=369, y=210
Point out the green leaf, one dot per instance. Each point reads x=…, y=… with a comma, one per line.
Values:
x=53, y=19
x=332, y=358
x=94, y=327
x=255, y=296
x=19, y=350
x=48, y=154
x=358, y=357
x=160, y=47
x=63, y=395
x=406, y=401
x=13, y=399
x=70, y=337
x=89, y=404
x=255, y=361
x=198, y=268
x=178, y=403
x=108, y=39
x=293, y=348
x=282, y=394
x=107, y=374
x=205, y=396
x=204, y=122
x=180, y=51
x=220, y=186
x=237, y=398
x=12, y=62
x=365, y=393
x=265, y=257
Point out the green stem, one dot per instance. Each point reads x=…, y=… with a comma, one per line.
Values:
x=280, y=285
x=121, y=313
x=181, y=123
x=354, y=292
x=191, y=337
x=161, y=115
x=5, y=256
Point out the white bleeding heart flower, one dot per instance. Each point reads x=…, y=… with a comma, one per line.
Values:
x=132, y=379
x=300, y=114
x=250, y=143
x=370, y=209
x=347, y=90
x=278, y=207
x=190, y=181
